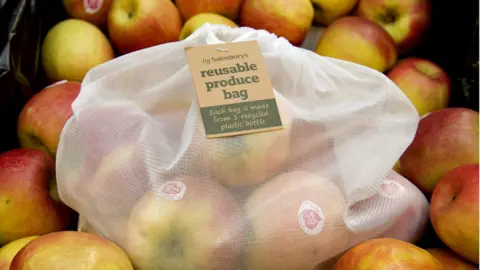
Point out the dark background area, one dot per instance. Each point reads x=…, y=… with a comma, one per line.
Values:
x=451, y=42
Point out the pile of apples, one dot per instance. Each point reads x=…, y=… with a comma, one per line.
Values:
x=442, y=160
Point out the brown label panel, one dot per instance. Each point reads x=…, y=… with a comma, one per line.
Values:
x=233, y=88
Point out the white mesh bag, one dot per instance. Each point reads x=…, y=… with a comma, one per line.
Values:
x=135, y=162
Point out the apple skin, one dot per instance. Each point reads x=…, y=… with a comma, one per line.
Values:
x=249, y=159
x=195, y=22
x=450, y=260
x=387, y=253
x=411, y=19
x=71, y=250
x=425, y=84
x=290, y=19
x=454, y=211
x=71, y=48
x=44, y=115
x=8, y=252
x=202, y=221
x=445, y=139
x=26, y=207
x=358, y=40
x=227, y=8
x=327, y=11
x=93, y=11
x=281, y=236
x=138, y=24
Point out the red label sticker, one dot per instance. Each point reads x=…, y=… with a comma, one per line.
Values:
x=310, y=218
x=173, y=190
x=92, y=6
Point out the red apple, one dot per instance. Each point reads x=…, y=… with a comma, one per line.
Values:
x=445, y=139
x=26, y=207
x=42, y=118
x=139, y=24
x=386, y=254
x=227, y=8
x=423, y=82
x=71, y=48
x=184, y=223
x=450, y=260
x=454, y=210
x=71, y=250
x=358, y=40
x=93, y=11
x=290, y=19
x=296, y=222
x=406, y=21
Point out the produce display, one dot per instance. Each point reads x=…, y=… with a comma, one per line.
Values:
x=114, y=171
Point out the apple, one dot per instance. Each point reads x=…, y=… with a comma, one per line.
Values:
x=251, y=158
x=405, y=21
x=93, y=11
x=8, y=252
x=71, y=48
x=412, y=223
x=296, y=222
x=358, y=40
x=71, y=250
x=184, y=223
x=26, y=207
x=450, y=260
x=425, y=84
x=327, y=11
x=227, y=8
x=454, y=210
x=138, y=24
x=387, y=253
x=44, y=115
x=196, y=21
x=290, y=19
x=445, y=139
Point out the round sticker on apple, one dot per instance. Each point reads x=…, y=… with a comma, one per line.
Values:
x=310, y=218
x=390, y=188
x=92, y=6
x=173, y=190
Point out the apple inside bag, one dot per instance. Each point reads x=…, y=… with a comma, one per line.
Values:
x=135, y=162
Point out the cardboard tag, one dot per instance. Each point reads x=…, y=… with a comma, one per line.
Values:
x=233, y=88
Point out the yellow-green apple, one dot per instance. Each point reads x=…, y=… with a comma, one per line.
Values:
x=387, y=253
x=454, y=211
x=406, y=21
x=44, y=115
x=296, y=222
x=327, y=11
x=290, y=19
x=138, y=24
x=425, y=84
x=227, y=8
x=71, y=48
x=249, y=159
x=71, y=250
x=445, y=139
x=8, y=252
x=93, y=11
x=26, y=207
x=195, y=22
x=358, y=40
x=397, y=167
x=184, y=223
x=450, y=260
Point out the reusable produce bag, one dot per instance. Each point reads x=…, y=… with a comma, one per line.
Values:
x=135, y=162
